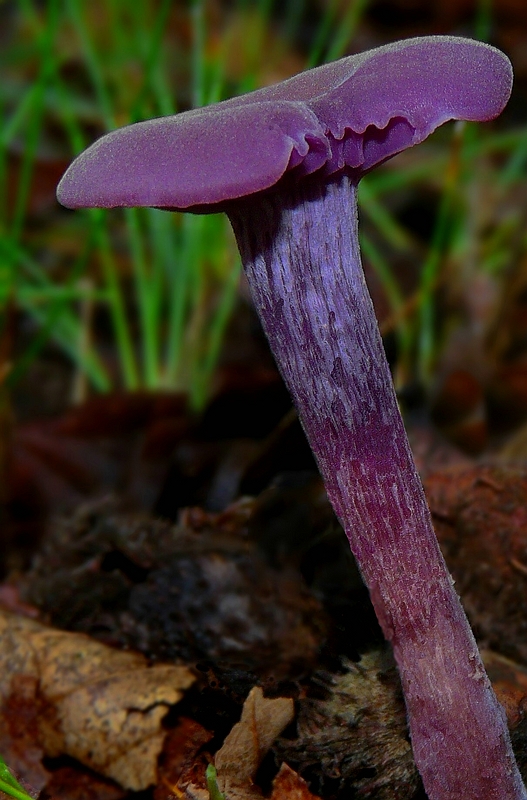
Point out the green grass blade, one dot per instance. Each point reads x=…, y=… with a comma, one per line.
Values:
x=146, y=299
x=154, y=79
x=344, y=33
x=74, y=9
x=440, y=242
x=218, y=327
x=387, y=225
x=123, y=337
x=483, y=21
x=9, y=785
x=197, y=16
x=35, y=119
x=396, y=300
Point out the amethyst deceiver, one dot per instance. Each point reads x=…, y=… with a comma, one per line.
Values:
x=284, y=163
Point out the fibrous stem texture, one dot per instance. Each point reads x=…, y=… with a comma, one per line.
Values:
x=301, y=255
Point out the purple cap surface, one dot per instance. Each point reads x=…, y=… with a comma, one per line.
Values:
x=352, y=113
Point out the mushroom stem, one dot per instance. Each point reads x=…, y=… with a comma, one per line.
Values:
x=300, y=251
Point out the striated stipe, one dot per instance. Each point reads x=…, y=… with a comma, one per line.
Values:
x=308, y=287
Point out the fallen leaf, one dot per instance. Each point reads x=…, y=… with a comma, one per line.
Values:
x=288, y=785
x=262, y=721
x=101, y=706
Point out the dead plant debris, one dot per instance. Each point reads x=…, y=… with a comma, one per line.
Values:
x=101, y=706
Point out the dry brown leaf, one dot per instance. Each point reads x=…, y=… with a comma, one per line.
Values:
x=288, y=785
x=96, y=704
x=262, y=720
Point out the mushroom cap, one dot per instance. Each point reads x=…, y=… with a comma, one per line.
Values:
x=349, y=114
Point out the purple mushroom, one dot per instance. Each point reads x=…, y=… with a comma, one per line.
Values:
x=284, y=163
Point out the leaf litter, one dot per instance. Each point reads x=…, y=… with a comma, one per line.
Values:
x=101, y=706
x=349, y=730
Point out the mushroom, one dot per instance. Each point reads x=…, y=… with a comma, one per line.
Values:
x=284, y=163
